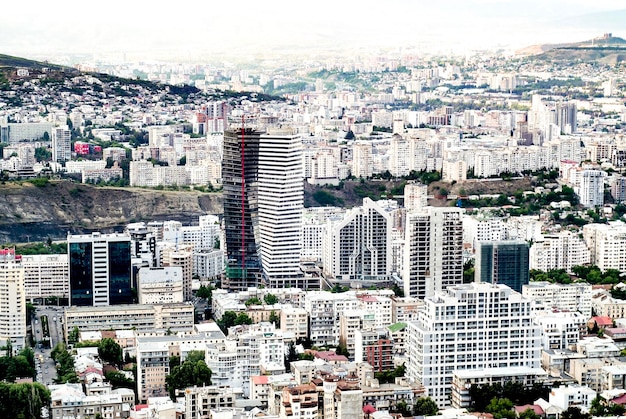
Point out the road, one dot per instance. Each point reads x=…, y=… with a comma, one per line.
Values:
x=46, y=370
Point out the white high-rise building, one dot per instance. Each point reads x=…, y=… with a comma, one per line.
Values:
x=281, y=202
x=360, y=244
x=61, y=144
x=470, y=327
x=561, y=330
x=561, y=250
x=415, y=196
x=46, y=276
x=362, y=160
x=12, y=300
x=433, y=257
x=399, y=156
x=607, y=242
x=591, y=188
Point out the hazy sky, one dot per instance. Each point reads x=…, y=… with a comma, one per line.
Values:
x=258, y=25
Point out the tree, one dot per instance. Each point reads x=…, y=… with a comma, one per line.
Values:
x=275, y=319
x=23, y=400
x=254, y=301
x=270, y=299
x=205, y=292
x=529, y=414
x=243, y=318
x=574, y=412
x=501, y=408
x=425, y=406
x=119, y=380
x=227, y=321
x=189, y=373
x=72, y=337
x=110, y=351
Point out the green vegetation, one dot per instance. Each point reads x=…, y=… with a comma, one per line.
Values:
x=601, y=408
x=19, y=366
x=109, y=351
x=390, y=376
x=254, y=301
x=119, y=380
x=65, y=365
x=41, y=248
x=192, y=372
x=23, y=401
x=425, y=406
x=230, y=319
x=325, y=198
x=515, y=392
x=270, y=299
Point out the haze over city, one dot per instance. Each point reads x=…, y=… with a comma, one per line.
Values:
x=197, y=30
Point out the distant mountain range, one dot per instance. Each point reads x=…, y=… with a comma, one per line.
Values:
x=606, y=49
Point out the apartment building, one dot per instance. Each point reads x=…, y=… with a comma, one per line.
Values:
x=564, y=297
x=359, y=246
x=470, y=327
x=433, y=258
x=46, y=276
x=160, y=285
x=561, y=250
x=12, y=300
x=607, y=242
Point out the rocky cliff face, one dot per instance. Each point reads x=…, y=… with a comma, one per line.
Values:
x=34, y=213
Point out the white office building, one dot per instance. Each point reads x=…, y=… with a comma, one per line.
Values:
x=61, y=144
x=280, y=202
x=470, y=326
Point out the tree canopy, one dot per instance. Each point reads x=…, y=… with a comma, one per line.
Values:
x=192, y=372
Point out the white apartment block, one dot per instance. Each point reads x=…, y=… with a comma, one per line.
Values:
x=78, y=166
x=590, y=189
x=208, y=264
x=454, y=170
x=607, y=244
x=604, y=305
x=144, y=173
x=324, y=309
x=170, y=254
x=314, y=221
x=160, y=285
x=561, y=330
x=253, y=350
x=572, y=395
x=61, y=144
x=470, y=327
x=561, y=250
x=202, y=236
x=46, y=276
x=143, y=318
x=482, y=227
x=359, y=246
x=12, y=300
x=564, y=297
x=296, y=321
x=415, y=196
x=362, y=160
x=433, y=257
x=399, y=156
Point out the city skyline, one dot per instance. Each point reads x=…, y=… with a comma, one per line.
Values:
x=201, y=31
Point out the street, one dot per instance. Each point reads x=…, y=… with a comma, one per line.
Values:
x=52, y=316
